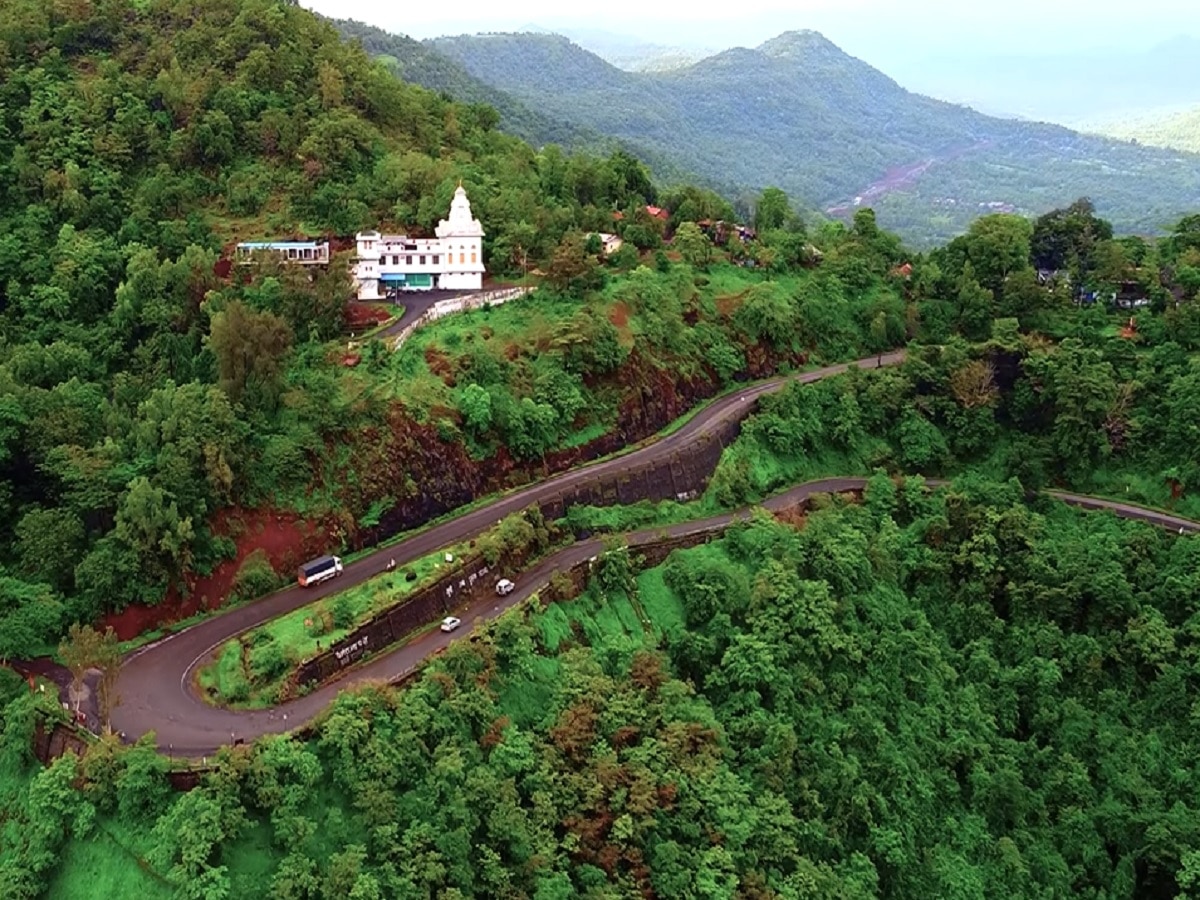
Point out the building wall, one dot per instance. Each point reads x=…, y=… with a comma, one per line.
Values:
x=458, y=249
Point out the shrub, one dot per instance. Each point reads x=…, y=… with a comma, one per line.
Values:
x=343, y=612
x=255, y=577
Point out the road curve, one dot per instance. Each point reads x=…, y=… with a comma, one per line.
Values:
x=155, y=687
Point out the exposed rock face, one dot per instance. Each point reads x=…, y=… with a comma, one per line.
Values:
x=428, y=476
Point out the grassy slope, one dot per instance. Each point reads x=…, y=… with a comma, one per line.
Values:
x=234, y=676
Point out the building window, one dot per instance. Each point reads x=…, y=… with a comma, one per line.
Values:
x=408, y=260
x=472, y=256
x=422, y=260
x=436, y=259
x=462, y=258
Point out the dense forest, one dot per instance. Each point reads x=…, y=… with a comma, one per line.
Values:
x=144, y=396
x=950, y=694
x=959, y=692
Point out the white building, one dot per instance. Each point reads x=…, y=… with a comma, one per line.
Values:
x=609, y=243
x=451, y=261
x=304, y=253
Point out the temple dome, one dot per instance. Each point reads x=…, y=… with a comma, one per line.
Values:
x=460, y=223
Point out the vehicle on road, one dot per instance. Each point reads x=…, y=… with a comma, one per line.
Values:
x=450, y=623
x=320, y=569
x=504, y=587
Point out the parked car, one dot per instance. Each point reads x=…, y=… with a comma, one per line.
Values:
x=504, y=587
x=450, y=623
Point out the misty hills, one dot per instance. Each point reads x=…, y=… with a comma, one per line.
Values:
x=799, y=113
x=422, y=64
x=1068, y=87
x=1180, y=130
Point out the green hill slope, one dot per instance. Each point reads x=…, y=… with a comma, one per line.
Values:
x=799, y=113
x=420, y=64
x=1180, y=131
x=140, y=393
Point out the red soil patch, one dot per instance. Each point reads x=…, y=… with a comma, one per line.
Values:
x=729, y=304
x=619, y=315
x=439, y=365
x=285, y=538
x=796, y=517
x=351, y=360
x=366, y=315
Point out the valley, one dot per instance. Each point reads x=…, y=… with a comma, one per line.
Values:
x=464, y=467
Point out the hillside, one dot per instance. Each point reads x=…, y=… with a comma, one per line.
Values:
x=420, y=64
x=1180, y=131
x=799, y=113
x=144, y=400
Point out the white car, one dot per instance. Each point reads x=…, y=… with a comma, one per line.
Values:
x=504, y=587
x=450, y=623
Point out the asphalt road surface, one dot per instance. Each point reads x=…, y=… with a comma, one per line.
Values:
x=416, y=304
x=156, y=687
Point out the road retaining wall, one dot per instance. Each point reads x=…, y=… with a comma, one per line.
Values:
x=681, y=476
x=457, y=305
x=468, y=580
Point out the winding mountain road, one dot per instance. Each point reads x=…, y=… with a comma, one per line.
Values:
x=156, y=682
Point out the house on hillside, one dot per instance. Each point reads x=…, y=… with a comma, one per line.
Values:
x=301, y=253
x=720, y=231
x=657, y=212
x=453, y=260
x=609, y=243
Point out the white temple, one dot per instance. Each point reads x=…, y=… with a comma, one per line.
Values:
x=451, y=261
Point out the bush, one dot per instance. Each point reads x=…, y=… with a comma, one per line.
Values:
x=318, y=624
x=343, y=612
x=255, y=577
x=268, y=661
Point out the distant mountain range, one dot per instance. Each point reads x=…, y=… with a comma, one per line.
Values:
x=420, y=63
x=799, y=113
x=629, y=53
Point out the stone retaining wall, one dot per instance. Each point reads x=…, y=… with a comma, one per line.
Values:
x=469, y=580
x=457, y=305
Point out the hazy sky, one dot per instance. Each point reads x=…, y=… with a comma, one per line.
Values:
x=880, y=30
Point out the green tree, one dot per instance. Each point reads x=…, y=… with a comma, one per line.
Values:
x=767, y=314
x=80, y=651
x=250, y=349
x=773, y=210
x=693, y=245
x=476, y=408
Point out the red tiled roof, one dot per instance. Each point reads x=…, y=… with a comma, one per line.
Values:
x=658, y=212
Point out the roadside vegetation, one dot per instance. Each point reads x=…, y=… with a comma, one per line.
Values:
x=1095, y=414
x=256, y=669
x=956, y=693
x=1004, y=719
